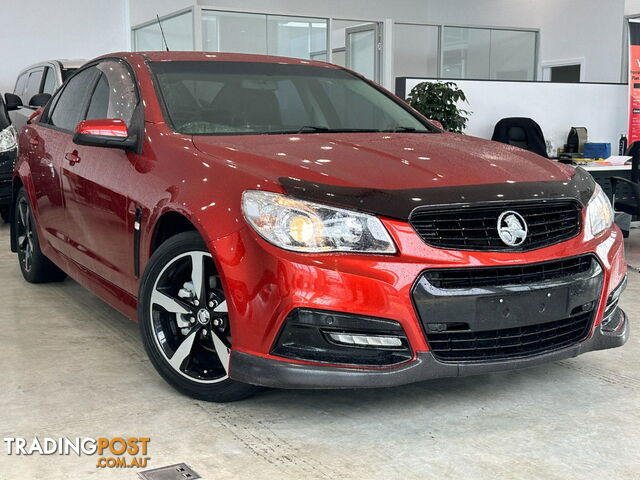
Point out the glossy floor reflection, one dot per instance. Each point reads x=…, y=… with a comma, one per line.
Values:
x=72, y=366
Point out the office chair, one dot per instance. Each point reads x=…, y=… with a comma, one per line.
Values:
x=628, y=199
x=521, y=132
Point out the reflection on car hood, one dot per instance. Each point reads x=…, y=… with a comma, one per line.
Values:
x=391, y=173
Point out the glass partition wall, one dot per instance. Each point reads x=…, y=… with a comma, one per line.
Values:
x=178, y=31
x=488, y=54
x=356, y=43
x=417, y=50
x=297, y=37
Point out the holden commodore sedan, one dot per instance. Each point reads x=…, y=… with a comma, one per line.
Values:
x=287, y=223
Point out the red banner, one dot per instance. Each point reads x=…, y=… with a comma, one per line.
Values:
x=634, y=82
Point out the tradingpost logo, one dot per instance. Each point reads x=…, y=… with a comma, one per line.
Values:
x=116, y=452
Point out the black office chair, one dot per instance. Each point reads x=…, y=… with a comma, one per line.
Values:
x=625, y=192
x=521, y=132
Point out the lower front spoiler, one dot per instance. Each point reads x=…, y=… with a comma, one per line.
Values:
x=267, y=372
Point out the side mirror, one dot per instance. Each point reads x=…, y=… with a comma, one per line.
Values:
x=40, y=100
x=12, y=101
x=5, y=120
x=436, y=123
x=105, y=132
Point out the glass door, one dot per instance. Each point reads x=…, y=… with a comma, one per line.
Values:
x=363, y=46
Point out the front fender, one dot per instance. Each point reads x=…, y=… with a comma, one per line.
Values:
x=204, y=189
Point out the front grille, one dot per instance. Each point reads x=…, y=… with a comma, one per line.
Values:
x=502, y=276
x=488, y=345
x=475, y=228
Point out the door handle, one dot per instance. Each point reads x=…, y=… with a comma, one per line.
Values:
x=72, y=157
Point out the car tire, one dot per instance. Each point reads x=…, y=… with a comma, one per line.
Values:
x=35, y=267
x=5, y=210
x=187, y=339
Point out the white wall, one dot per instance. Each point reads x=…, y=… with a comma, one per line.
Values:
x=632, y=7
x=556, y=107
x=37, y=30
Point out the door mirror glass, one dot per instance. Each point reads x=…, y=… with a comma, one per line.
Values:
x=13, y=101
x=105, y=132
x=39, y=100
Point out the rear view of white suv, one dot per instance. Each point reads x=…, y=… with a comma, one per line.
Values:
x=34, y=88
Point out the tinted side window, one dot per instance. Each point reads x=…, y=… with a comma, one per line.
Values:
x=49, y=81
x=115, y=93
x=66, y=73
x=33, y=85
x=68, y=108
x=99, y=106
x=20, y=83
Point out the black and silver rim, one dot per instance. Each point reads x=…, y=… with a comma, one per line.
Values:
x=190, y=319
x=24, y=229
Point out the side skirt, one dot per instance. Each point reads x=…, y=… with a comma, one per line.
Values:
x=121, y=300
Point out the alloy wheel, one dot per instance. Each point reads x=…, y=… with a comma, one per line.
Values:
x=190, y=319
x=25, y=234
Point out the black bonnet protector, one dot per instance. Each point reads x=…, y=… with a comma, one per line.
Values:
x=399, y=204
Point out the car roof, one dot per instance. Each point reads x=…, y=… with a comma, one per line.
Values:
x=229, y=57
x=63, y=62
x=73, y=63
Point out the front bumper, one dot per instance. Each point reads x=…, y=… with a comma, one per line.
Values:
x=268, y=372
x=265, y=284
x=7, y=163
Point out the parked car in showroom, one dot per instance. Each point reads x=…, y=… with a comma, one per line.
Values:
x=287, y=223
x=8, y=155
x=34, y=87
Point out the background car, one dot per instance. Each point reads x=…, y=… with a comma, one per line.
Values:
x=34, y=87
x=8, y=154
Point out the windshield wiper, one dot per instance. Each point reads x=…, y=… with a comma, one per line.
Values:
x=313, y=128
x=401, y=129
x=320, y=129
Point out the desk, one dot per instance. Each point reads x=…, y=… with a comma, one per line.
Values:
x=606, y=168
x=602, y=174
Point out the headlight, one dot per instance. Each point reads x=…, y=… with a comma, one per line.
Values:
x=599, y=212
x=8, y=139
x=310, y=227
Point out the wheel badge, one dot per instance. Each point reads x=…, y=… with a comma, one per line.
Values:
x=512, y=228
x=203, y=316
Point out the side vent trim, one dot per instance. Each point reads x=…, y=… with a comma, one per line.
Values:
x=136, y=241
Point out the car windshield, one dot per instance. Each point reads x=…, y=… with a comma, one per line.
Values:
x=230, y=98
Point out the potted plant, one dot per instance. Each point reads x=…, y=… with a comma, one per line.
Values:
x=439, y=101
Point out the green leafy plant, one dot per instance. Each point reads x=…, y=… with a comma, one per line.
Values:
x=439, y=101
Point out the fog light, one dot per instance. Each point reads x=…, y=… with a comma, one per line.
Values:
x=340, y=338
x=365, y=340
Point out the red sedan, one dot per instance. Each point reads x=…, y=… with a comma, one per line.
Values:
x=286, y=223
